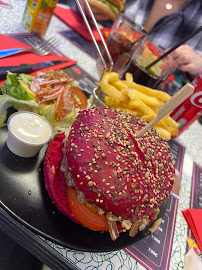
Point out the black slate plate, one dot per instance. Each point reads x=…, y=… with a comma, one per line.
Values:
x=23, y=195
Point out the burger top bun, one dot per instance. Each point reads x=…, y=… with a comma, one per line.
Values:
x=120, y=173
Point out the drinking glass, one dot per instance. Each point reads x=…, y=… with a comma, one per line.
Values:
x=143, y=54
x=123, y=35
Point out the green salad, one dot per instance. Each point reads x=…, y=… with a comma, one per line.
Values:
x=51, y=94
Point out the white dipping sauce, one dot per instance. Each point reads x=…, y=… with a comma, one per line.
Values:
x=27, y=133
x=30, y=128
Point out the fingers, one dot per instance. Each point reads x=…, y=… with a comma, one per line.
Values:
x=187, y=60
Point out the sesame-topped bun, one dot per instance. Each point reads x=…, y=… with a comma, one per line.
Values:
x=104, y=177
x=120, y=173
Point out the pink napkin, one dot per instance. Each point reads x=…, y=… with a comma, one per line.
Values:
x=194, y=220
x=3, y=4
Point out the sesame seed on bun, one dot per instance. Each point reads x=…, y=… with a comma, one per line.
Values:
x=126, y=177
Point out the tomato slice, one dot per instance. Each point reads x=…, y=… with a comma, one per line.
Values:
x=91, y=220
x=69, y=98
x=91, y=207
x=63, y=104
x=79, y=98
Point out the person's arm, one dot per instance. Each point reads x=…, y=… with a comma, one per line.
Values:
x=188, y=60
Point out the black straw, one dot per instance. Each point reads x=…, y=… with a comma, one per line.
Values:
x=175, y=47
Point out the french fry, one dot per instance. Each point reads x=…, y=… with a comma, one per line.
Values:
x=133, y=112
x=131, y=93
x=161, y=124
x=148, y=117
x=110, y=90
x=167, y=119
x=144, y=108
x=110, y=102
x=164, y=133
x=149, y=100
x=109, y=77
x=154, y=109
x=129, y=77
x=174, y=131
x=132, y=105
x=148, y=91
x=118, y=84
x=125, y=92
x=138, y=100
x=152, y=101
x=170, y=122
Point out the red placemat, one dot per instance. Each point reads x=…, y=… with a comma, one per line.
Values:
x=76, y=22
x=193, y=215
x=28, y=57
x=194, y=220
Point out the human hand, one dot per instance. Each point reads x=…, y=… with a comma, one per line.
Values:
x=99, y=16
x=188, y=60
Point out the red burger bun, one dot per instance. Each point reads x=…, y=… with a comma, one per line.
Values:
x=124, y=175
x=55, y=182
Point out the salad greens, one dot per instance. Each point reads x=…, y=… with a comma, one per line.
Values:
x=113, y=8
x=7, y=101
x=17, y=94
x=17, y=86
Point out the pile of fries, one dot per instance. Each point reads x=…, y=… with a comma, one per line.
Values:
x=138, y=100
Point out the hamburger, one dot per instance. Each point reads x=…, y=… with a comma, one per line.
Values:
x=109, y=8
x=104, y=177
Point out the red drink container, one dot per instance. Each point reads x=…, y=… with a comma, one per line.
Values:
x=191, y=108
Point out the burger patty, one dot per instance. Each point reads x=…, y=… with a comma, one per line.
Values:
x=124, y=175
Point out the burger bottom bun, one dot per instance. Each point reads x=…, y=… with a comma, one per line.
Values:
x=54, y=178
x=102, y=8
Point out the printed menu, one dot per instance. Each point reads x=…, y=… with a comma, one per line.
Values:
x=196, y=193
x=87, y=46
x=154, y=251
x=196, y=197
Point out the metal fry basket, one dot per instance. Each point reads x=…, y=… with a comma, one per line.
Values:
x=97, y=93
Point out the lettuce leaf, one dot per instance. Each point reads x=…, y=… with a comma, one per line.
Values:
x=7, y=101
x=113, y=8
x=17, y=86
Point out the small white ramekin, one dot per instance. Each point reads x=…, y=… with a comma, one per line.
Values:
x=27, y=133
